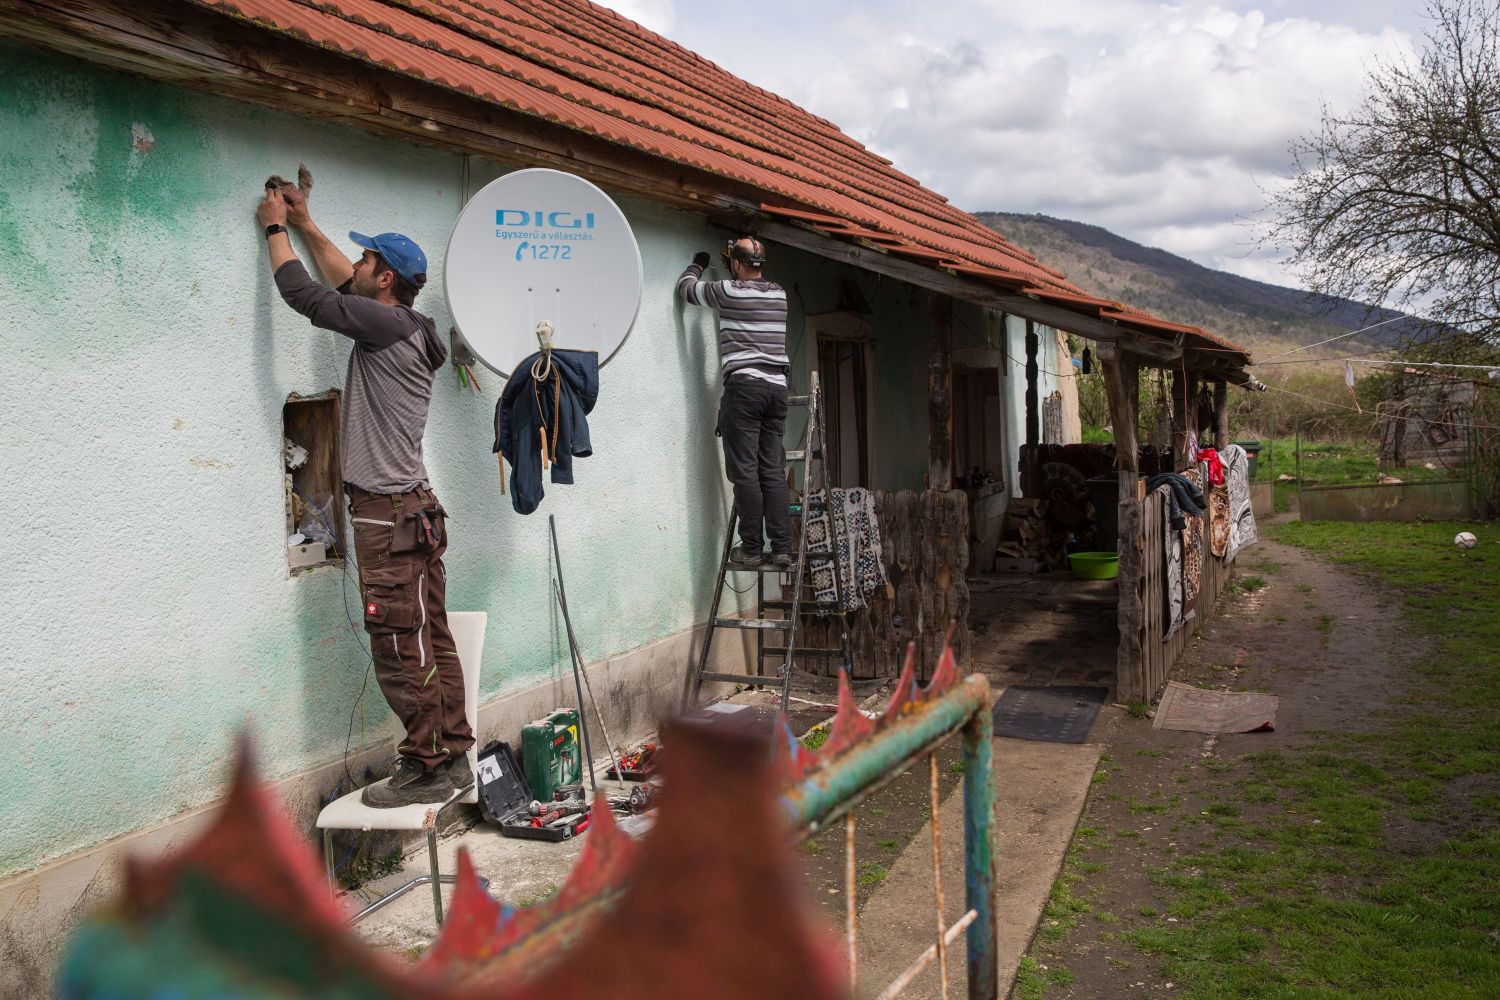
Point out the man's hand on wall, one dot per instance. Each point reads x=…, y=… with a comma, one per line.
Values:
x=272, y=209
x=701, y=258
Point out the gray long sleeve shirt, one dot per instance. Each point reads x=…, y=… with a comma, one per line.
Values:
x=387, y=392
x=752, y=322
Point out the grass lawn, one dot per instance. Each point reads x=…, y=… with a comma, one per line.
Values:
x=1381, y=876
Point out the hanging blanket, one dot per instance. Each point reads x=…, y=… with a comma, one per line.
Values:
x=850, y=526
x=1218, y=519
x=1175, y=615
x=1192, y=552
x=1241, y=518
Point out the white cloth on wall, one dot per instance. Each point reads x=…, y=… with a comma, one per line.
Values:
x=1242, y=531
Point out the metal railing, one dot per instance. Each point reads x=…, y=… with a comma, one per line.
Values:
x=917, y=725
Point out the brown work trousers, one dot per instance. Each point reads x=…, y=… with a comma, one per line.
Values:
x=416, y=661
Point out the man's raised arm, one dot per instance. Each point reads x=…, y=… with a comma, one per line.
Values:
x=691, y=285
x=332, y=263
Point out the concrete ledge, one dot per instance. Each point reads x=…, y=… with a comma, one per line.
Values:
x=636, y=689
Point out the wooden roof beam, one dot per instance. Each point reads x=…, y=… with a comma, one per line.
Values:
x=869, y=258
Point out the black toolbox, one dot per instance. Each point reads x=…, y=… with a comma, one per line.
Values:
x=505, y=799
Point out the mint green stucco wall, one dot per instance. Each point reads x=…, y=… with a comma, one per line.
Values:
x=896, y=356
x=147, y=358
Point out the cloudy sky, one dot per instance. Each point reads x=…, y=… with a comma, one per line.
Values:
x=1164, y=122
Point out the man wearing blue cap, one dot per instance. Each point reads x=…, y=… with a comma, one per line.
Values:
x=399, y=527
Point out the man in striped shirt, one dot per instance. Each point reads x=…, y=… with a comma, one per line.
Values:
x=752, y=411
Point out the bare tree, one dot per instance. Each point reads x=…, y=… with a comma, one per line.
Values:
x=1398, y=201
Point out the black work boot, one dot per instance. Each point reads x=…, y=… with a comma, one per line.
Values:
x=741, y=557
x=411, y=783
x=783, y=560
x=458, y=772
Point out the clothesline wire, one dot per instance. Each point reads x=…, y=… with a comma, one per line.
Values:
x=1478, y=383
x=1380, y=416
x=1431, y=364
x=1341, y=357
x=1330, y=340
x=1342, y=336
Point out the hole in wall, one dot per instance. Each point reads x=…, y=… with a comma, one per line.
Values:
x=313, y=484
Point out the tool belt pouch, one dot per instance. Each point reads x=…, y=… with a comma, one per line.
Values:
x=420, y=530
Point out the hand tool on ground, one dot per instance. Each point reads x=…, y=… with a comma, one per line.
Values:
x=583, y=722
x=578, y=671
x=642, y=798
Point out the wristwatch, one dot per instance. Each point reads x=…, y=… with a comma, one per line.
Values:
x=275, y=228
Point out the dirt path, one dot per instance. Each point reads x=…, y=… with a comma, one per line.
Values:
x=1329, y=645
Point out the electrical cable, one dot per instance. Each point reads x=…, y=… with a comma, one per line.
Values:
x=984, y=341
x=802, y=333
x=364, y=684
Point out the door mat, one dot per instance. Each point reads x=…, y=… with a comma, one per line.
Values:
x=1195, y=710
x=1048, y=714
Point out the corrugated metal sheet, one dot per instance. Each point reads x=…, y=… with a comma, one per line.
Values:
x=582, y=67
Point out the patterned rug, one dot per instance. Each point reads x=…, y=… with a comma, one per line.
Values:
x=1218, y=519
x=850, y=525
x=1192, y=553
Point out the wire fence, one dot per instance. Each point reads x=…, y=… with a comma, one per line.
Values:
x=1437, y=442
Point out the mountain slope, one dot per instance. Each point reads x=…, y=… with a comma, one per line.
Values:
x=1265, y=318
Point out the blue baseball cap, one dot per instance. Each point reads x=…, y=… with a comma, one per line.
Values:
x=404, y=256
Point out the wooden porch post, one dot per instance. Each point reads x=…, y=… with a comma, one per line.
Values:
x=1033, y=434
x=940, y=395
x=1184, y=397
x=1221, y=415
x=1122, y=384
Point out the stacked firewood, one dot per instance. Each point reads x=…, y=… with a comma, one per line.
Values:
x=1025, y=534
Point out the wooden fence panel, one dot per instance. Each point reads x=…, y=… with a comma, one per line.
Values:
x=1158, y=654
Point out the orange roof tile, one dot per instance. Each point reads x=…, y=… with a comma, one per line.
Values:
x=583, y=67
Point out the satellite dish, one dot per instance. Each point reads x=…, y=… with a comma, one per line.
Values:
x=541, y=246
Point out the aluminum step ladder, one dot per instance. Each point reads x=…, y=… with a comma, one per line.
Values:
x=815, y=496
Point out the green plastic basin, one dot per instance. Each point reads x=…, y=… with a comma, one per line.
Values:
x=1095, y=565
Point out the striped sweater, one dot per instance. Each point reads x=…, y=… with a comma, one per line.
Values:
x=752, y=323
x=396, y=352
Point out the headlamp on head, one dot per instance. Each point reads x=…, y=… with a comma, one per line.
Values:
x=753, y=256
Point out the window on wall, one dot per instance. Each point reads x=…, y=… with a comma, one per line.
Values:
x=841, y=368
x=315, y=529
